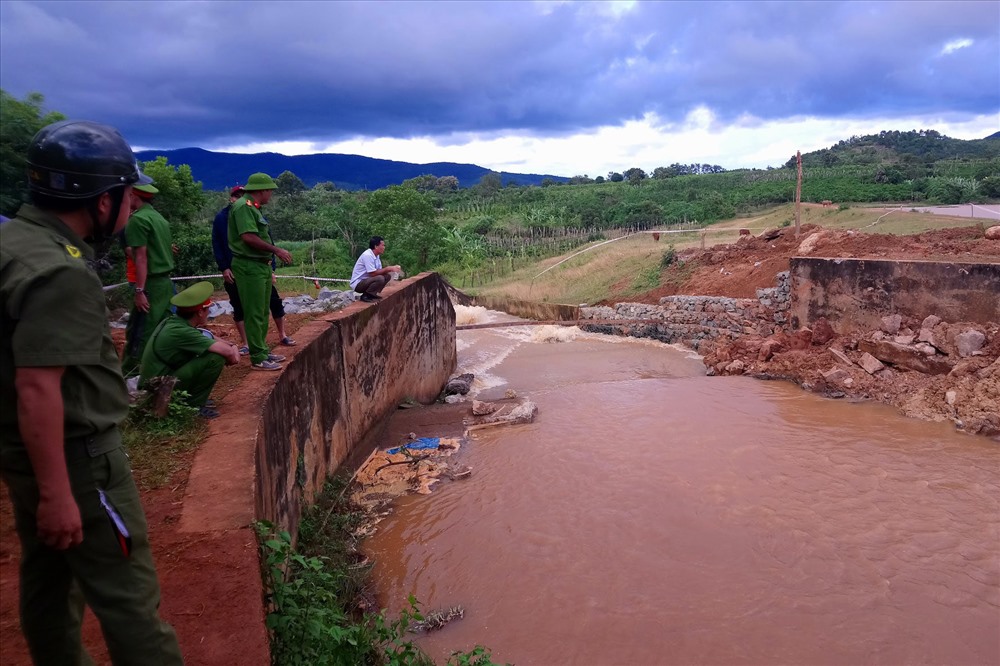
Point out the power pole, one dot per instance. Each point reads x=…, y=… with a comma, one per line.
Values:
x=798, y=193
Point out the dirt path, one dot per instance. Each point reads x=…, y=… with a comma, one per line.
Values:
x=183, y=561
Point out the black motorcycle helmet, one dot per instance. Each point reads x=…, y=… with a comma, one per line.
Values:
x=71, y=163
x=79, y=159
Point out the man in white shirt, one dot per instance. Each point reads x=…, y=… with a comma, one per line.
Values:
x=369, y=278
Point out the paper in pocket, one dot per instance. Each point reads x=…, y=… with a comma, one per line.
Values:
x=117, y=524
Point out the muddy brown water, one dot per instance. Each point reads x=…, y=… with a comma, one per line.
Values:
x=652, y=515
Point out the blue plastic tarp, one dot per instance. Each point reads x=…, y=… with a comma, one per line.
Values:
x=417, y=444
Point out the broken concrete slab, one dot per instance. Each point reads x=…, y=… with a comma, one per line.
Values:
x=905, y=357
x=870, y=364
x=841, y=356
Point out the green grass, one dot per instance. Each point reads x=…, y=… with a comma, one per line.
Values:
x=155, y=445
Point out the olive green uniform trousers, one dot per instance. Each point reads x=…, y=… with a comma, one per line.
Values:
x=198, y=376
x=253, y=278
x=159, y=291
x=121, y=589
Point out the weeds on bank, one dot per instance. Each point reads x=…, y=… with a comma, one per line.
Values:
x=316, y=595
x=153, y=444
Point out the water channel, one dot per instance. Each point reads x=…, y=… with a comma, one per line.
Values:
x=652, y=515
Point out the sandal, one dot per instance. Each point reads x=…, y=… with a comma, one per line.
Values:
x=288, y=342
x=207, y=413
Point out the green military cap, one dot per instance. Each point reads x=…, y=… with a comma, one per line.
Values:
x=197, y=295
x=148, y=189
x=260, y=181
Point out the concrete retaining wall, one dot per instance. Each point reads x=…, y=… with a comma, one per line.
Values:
x=281, y=434
x=857, y=293
x=335, y=393
x=528, y=309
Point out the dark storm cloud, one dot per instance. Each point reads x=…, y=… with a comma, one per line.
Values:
x=212, y=73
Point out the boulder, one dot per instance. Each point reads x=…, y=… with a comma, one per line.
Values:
x=810, y=243
x=769, y=349
x=905, y=357
x=800, y=339
x=736, y=367
x=870, y=364
x=925, y=349
x=950, y=397
x=993, y=233
x=459, y=385
x=969, y=342
x=904, y=339
x=891, y=323
x=822, y=332
x=930, y=321
x=770, y=234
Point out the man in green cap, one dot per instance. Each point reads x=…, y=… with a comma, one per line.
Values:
x=179, y=348
x=148, y=234
x=76, y=508
x=250, y=242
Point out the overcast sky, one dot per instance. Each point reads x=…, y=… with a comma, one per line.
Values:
x=551, y=87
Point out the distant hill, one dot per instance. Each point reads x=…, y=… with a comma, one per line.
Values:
x=218, y=171
x=891, y=147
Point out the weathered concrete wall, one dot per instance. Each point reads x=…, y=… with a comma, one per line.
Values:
x=280, y=435
x=352, y=377
x=528, y=309
x=857, y=293
x=693, y=319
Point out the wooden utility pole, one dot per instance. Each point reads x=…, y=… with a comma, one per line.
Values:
x=798, y=193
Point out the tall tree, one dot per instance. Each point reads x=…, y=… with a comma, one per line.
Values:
x=181, y=198
x=405, y=218
x=20, y=120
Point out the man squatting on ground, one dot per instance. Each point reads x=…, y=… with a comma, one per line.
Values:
x=368, y=277
x=179, y=348
x=76, y=508
x=148, y=234
x=224, y=259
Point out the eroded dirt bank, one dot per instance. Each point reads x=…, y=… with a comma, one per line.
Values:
x=914, y=365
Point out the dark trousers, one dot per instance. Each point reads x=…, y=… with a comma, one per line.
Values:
x=373, y=285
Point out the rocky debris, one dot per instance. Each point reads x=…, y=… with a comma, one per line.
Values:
x=770, y=234
x=459, y=385
x=969, y=342
x=389, y=473
x=436, y=619
x=923, y=381
x=509, y=414
x=453, y=399
x=891, y=324
x=993, y=233
x=836, y=375
x=842, y=357
x=480, y=408
x=905, y=357
x=810, y=243
x=870, y=364
x=328, y=300
x=822, y=332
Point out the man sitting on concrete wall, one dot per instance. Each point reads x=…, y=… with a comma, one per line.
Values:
x=179, y=349
x=369, y=278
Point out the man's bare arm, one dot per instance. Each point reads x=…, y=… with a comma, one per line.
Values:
x=40, y=420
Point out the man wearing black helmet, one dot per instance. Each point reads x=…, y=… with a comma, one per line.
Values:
x=62, y=396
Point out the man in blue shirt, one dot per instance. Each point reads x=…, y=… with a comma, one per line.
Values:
x=368, y=277
x=224, y=259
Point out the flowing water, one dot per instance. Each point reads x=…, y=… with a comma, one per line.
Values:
x=652, y=515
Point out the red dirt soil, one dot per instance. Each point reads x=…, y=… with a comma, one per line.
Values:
x=183, y=561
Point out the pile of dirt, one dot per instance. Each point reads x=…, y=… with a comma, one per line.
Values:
x=948, y=386
x=737, y=270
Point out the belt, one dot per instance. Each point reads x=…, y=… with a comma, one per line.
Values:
x=91, y=446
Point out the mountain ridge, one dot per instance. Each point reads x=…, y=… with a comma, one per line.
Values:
x=218, y=170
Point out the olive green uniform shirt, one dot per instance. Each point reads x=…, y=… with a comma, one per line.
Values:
x=174, y=343
x=245, y=216
x=53, y=314
x=147, y=228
